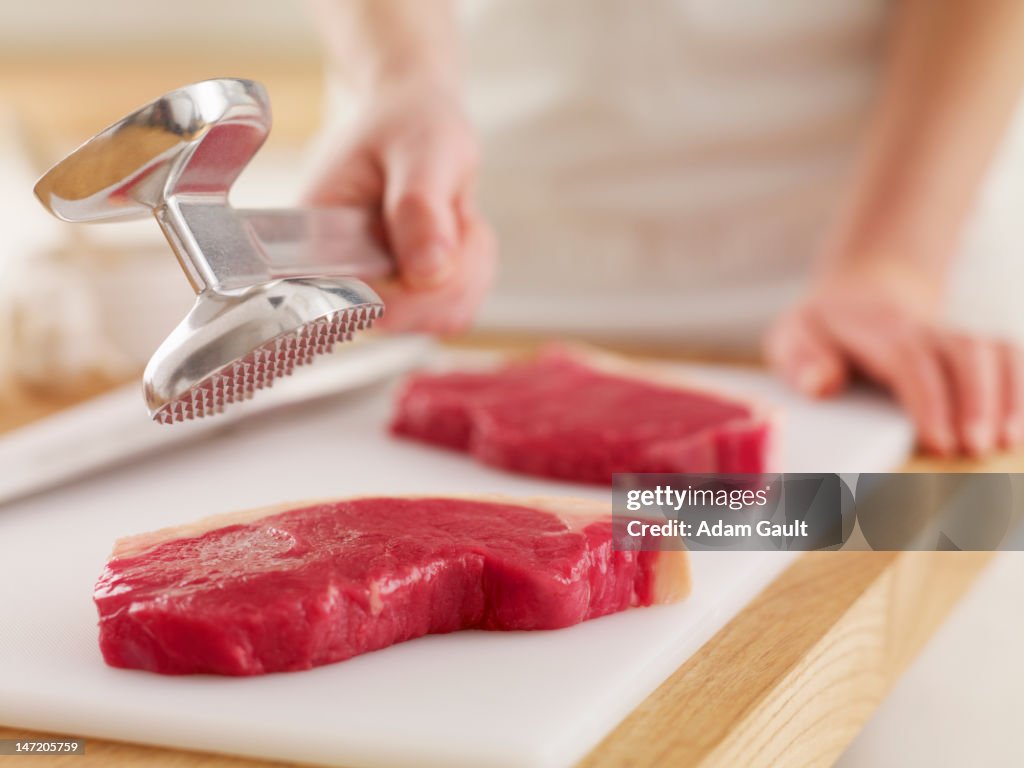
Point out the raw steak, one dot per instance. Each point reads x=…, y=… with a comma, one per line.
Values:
x=584, y=416
x=294, y=587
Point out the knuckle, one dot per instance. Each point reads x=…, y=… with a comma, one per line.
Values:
x=1009, y=352
x=971, y=350
x=413, y=202
x=900, y=356
x=907, y=335
x=917, y=379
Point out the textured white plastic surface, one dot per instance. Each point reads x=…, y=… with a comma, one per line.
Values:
x=466, y=699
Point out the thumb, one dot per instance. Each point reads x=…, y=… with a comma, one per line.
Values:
x=419, y=212
x=804, y=356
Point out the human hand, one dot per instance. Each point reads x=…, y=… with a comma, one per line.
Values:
x=965, y=393
x=410, y=160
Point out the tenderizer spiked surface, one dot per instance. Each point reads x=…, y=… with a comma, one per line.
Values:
x=259, y=369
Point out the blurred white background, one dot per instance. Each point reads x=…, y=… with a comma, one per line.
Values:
x=67, y=26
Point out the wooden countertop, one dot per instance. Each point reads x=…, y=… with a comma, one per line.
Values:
x=789, y=681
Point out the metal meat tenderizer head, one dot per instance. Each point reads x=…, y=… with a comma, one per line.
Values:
x=274, y=287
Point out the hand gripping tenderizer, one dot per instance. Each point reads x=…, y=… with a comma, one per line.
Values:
x=273, y=287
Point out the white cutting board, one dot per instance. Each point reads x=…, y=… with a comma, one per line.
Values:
x=466, y=699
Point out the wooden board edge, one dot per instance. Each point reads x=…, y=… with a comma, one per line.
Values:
x=795, y=675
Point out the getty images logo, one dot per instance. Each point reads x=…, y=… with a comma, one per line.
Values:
x=818, y=511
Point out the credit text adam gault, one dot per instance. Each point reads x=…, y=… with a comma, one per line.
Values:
x=764, y=528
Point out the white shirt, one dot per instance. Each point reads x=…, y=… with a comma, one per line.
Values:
x=663, y=167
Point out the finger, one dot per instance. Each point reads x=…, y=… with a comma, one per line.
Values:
x=352, y=178
x=904, y=361
x=449, y=308
x=1012, y=359
x=404, y=310
x=423, y=181
x=805, y=357
x=973, y=367
x=917, y=379
x=479, y=268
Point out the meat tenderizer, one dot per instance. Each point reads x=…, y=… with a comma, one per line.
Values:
x=273, y=288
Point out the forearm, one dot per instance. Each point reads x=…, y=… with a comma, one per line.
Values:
x=375, y=43
x=952, y=80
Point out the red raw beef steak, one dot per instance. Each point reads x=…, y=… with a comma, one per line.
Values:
x=584, y=416
x=297, y=586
